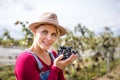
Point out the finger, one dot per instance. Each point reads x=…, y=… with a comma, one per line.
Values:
x=59, y=57
x=71, y=58
x=74, y=57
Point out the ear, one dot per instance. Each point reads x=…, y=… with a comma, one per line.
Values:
x=34, y=32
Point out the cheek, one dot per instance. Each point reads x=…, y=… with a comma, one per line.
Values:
x=54, y=40
x=38, y=37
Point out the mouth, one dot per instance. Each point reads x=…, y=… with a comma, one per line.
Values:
x=47, y=44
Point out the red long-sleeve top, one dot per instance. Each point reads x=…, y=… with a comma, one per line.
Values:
x=26, y=68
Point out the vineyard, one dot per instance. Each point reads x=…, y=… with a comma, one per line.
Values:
x=99, y=55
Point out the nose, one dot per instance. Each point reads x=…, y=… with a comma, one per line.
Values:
x=49, y=37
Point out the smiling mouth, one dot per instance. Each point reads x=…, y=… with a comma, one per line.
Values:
x=47, y=44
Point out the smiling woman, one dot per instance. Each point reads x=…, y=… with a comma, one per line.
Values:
x=36, y=63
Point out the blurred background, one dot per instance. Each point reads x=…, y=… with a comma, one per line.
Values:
x=93, y=29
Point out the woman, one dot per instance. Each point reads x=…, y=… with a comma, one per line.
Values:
x=36, y=63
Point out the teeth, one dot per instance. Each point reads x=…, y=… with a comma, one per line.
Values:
x=47, y=44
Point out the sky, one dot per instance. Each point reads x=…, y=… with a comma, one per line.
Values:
x=94, y=14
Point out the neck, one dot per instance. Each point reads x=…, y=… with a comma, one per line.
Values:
x=37, y=50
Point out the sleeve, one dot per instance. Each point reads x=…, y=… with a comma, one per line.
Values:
x=61, y=77
x=26, y=68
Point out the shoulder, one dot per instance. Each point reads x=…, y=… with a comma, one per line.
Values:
x=54, y=53
x=25, y=67
x=25, y=57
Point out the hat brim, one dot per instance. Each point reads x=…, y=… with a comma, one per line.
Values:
x=36, y=24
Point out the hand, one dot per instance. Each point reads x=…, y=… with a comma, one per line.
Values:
x=58, y=62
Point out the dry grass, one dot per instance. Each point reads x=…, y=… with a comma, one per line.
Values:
x=113, y=75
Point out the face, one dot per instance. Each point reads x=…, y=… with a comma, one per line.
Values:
x=45, y=36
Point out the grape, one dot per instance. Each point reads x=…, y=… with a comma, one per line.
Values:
x=66, y=51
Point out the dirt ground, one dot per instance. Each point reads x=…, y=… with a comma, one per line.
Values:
x=8, y=55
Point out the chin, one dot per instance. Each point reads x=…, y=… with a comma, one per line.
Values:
x=45, y=48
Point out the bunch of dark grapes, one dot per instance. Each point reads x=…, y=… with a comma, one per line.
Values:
x=66, y=51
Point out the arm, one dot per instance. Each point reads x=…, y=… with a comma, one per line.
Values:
x=56, y=71
x=26, y=68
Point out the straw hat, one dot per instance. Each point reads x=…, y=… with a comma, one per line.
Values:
x=48, y=18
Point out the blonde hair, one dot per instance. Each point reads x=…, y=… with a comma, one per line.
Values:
x=58, y=32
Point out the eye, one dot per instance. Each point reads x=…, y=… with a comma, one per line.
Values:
x=44, y=32
x=54, y=34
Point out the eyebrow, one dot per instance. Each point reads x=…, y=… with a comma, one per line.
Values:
x=48, y=31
